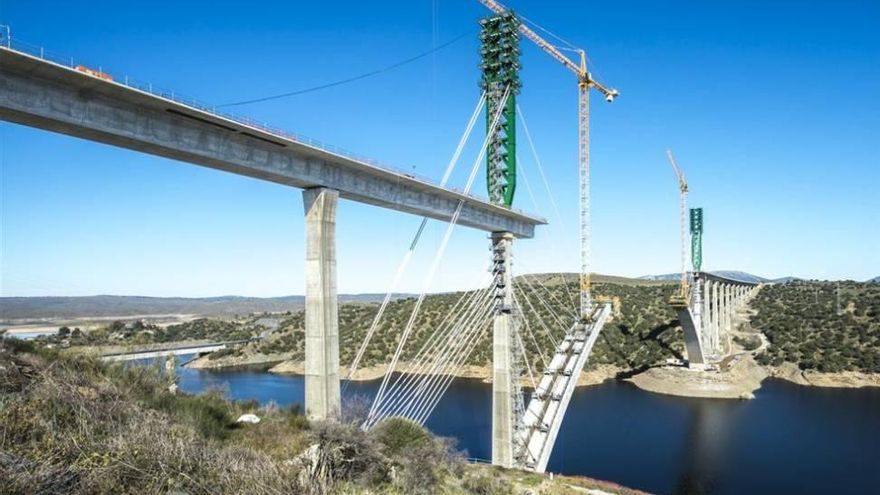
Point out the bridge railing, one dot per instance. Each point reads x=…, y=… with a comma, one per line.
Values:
x=70, y=62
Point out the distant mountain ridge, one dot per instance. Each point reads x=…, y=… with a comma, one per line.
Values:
x=875, y=280
x=16, y=308
x=22, y=308
x=731, y=274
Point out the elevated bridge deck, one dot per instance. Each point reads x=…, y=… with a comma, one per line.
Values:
x=56, y=97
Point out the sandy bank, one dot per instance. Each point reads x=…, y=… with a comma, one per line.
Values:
x=740, y=381
x=484, y=373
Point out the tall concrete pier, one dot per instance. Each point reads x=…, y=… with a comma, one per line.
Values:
x=322, y=396
x=502, y=335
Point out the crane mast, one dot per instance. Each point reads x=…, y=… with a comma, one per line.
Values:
x=585, y=83
x=682, y=296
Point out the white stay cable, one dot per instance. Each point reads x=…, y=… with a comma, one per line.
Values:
x=476, y=333
x=537, y=316
x=406, y=383
x=522, y=119
x=479, y=330
x=439, y=254
x=396, y=391
x=525, y=356
x=565, y=288
x=457, y=345
x=405, y=404
x=408, y=256
x=547, y=307
x=572, y=311
x=525, y=178
x=530, y=331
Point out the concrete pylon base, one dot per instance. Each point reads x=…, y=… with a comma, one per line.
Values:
x=502, y=334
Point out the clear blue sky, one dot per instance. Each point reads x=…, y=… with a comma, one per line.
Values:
x=772, y=109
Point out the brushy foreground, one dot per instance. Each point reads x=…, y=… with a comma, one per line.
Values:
x=75, y=425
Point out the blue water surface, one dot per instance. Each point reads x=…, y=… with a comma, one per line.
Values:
x=789, y=439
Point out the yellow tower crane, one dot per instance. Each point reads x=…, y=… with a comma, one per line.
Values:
x=585, y=83
x=680, y=299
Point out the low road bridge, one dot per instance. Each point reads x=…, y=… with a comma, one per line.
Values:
x=171, y=351
x=709, y=313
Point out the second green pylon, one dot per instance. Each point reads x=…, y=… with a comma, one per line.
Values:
x=499, y=36
x=697, y=239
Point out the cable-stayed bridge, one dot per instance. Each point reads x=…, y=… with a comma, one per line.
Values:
x=58, y=95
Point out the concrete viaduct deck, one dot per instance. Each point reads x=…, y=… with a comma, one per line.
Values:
x=51, y=96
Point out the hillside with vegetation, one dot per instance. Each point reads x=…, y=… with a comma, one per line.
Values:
x=73, y=425
x=643, y=333
x=802, y=323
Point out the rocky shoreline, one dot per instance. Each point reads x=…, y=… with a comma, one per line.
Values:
x=810, y=378
x=232, y=362
x=740, y=380
x=279, y=363
x=483, y=373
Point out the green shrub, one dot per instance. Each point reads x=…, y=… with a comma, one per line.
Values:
x=398, y=434
x=225, y=352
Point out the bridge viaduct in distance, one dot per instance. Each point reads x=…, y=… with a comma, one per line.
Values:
x=708, y=315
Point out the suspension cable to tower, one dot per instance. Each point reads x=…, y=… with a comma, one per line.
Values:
x=408, y=256
x=445, y=241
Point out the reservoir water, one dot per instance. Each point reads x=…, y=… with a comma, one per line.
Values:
x=789, y=439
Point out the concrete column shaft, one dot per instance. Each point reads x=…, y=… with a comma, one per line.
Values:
x=716, y=316
x=706, y=322
x=722, y=301
x=727, y=308
x=502, y=349
x=732, y=306
x=322, y=395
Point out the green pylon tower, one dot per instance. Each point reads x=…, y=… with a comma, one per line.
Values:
x=499, y=52
x=697, y=239
x=499, y=36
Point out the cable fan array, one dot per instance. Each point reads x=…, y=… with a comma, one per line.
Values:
x=543, y=317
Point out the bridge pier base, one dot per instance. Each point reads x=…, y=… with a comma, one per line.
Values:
x=322, y=394
x=502, y=349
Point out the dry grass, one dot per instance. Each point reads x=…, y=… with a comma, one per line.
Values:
x=74, y=425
